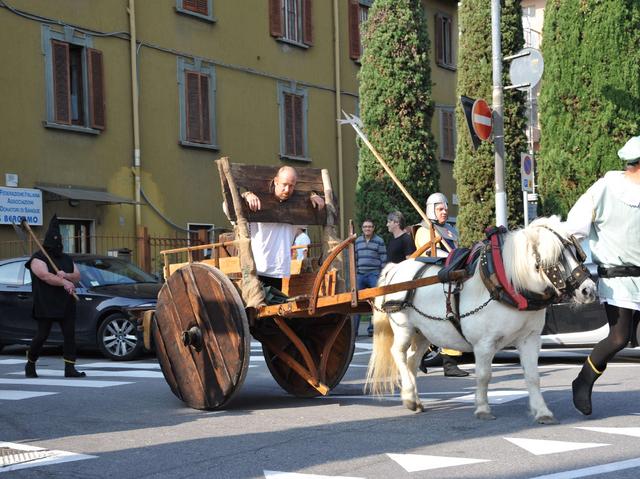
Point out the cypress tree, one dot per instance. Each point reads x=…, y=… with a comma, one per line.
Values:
x=396, y=108
x=590, y=96
x=474, y=170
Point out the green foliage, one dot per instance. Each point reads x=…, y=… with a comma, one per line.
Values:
x=474, y=170
x=396, y=107
x=590, y=96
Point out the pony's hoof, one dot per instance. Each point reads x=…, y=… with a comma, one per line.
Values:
x=412, y=405
x=547, y=420
x=485, y=416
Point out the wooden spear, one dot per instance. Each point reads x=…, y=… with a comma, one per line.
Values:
x=355, y=122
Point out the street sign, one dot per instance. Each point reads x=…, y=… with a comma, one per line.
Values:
x=526, y=172
x=526, y=68
x=467, y=105
x=481, y=119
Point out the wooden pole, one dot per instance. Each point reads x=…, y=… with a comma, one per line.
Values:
x=352, y=122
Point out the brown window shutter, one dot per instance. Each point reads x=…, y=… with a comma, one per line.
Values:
x=289, y=133
x=204, y=102
x=448, y=41
x=354, y=29
x=298, y=123
x=192, y=101
x=307, y=23
x=96, y=89
x=438, y=37
x=275, y=18
x=197, y=6
x=61, y=82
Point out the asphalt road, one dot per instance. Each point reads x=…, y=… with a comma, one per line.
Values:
x=123, y=421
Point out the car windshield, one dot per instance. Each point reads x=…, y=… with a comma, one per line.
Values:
x=107, y=271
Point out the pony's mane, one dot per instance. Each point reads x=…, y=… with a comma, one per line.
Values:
x=518, y=253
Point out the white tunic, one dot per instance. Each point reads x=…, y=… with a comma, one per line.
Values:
x=608, y=213
x=271, y=247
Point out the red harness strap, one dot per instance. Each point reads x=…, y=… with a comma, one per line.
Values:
x=496, y=255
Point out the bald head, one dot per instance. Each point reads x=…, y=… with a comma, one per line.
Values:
x=285, y=182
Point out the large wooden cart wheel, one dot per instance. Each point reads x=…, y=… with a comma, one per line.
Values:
x=202, y=336
x=329, y=340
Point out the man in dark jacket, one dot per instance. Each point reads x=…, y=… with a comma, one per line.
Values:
x=53, y=300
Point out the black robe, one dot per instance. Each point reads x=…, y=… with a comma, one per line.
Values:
x=49, y=301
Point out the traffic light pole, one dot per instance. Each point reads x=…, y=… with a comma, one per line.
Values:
x=498, y=119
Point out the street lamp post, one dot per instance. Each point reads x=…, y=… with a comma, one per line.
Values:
x=498, y=119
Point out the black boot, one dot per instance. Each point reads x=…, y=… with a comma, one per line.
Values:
x=70, y=370
x=451, y=368
x=30, y=369
x=583, y=385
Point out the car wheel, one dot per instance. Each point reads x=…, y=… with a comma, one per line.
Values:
x=118, y=338
x=431, y=358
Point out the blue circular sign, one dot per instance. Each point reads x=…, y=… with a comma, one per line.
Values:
x=527, y=165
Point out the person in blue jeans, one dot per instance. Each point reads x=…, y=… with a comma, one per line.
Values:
x=371, y=256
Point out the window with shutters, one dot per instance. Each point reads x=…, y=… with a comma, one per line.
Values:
x=202, y=9
x=444, y=41
x=447, y=133
x=293, y=122
x=291, y=21
x=358, y=14
x=74, y=78
x=197, y=90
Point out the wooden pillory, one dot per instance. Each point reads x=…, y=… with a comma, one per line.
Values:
x=208, y=310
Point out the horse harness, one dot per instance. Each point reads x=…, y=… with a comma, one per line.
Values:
x=492, y=273
x=459, y=259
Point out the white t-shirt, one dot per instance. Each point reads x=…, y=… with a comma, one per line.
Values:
x=271, y=247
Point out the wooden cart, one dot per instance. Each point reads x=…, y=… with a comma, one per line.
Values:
x=208, y=309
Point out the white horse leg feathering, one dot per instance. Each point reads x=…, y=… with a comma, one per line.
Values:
x=400, y=338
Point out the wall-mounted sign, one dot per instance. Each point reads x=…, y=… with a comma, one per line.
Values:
x=18, y=203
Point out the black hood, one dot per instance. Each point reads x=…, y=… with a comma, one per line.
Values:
x=53, y=239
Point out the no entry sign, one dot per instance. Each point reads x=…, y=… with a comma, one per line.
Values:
x=481, y=119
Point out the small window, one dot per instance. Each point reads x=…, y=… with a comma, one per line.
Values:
x=447, y=134
x=358, y=14
x=444, y=41
x=291, y=21
x=197, y=103
x=293, y=122
x=197, y=8
x=74, y=81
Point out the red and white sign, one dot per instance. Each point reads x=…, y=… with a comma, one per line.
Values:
x=481, y=119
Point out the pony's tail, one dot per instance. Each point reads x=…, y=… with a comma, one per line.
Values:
x=382, y=374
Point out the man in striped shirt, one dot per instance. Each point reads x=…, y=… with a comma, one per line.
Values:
x=371, y=256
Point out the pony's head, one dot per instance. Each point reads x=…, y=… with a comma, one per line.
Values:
x=543, y=257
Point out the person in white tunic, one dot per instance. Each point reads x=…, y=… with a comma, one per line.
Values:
x=271, y=242
x=608, y=214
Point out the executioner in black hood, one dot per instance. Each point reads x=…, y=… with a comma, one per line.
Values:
x=53, y=239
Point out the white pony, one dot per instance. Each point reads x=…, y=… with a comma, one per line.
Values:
x=401, y=337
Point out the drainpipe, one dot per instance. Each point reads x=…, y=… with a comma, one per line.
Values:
x=336, y=55
x=136, y=115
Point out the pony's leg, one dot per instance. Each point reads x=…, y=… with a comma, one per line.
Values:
x=529, y=348
x=402, y=339
x=419, y=346
x=484, y=353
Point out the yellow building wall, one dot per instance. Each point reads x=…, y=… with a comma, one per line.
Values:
x=181, y=182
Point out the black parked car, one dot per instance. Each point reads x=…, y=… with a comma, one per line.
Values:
x=108, y=288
